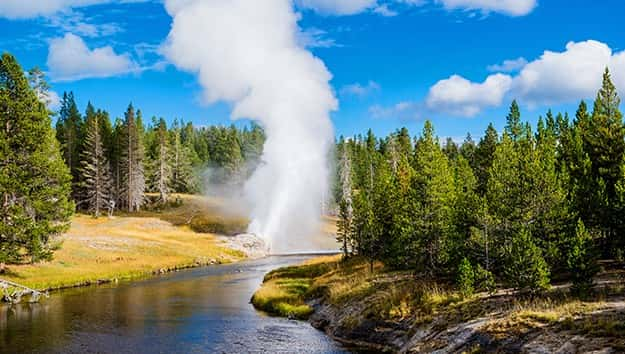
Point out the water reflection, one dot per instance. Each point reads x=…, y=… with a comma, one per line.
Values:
x=200, y=310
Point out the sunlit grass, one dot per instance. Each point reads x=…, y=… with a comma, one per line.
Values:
x=284, y=297
x=123, y=247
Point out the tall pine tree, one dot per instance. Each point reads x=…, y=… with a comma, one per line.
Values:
x=34, y=181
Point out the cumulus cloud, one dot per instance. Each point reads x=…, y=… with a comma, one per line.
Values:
x=507, y=7
x=459, y=96
x=508, y=65
x=573, y=74
x=553, y=78
x=70, y=59
x=359, y=90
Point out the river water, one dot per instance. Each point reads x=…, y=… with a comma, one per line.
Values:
x=202, y=310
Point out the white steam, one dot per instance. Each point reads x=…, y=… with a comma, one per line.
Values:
x=247, y=52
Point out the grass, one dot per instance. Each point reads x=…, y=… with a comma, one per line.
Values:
x=126, y=247
x=284, y=297
x=384, y=295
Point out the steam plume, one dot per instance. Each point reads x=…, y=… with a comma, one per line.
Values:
x=246, y=52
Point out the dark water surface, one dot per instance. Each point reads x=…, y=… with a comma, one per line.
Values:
x=203, y=310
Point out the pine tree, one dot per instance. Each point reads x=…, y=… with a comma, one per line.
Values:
x=38, y=83
x=433, y=198
x=132, y=177
x=514, y=127
x=605, y=144
x=95, y=171
x=346, y=212
x=484, y=155
x=183, y=178
x=161, y=163
x=467, y=149
x=34, y=181
x=525, y=266
x=466, y=207
x=69, y=132
x=582, y=260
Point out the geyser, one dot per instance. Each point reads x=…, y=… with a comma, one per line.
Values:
x=246, y=52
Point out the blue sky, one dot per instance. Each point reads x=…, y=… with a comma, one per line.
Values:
x=394, y=62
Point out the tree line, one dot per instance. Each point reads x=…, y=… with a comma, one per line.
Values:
x=520, y=207
x=113, y=164
x=94, y=164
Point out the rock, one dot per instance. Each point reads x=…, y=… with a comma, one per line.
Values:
x=251, y=245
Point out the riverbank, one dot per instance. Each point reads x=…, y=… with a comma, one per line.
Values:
x=397, y=312
x=130, y=246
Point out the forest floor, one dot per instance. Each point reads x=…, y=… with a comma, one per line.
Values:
x=398, y=312
x=184, y=234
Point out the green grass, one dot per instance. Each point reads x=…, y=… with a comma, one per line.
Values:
x=284, y=297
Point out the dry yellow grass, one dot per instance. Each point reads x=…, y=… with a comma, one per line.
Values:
x=123, y=247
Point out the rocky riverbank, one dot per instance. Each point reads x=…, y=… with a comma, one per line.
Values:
x=396, y=312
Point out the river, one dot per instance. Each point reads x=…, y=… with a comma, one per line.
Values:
x=202, y=310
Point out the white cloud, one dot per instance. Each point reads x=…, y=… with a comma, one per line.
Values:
x=459, y=96
x=75, y=22
x=334, y=7
x=558, y=77
x=553, y=78
x=405, y=110
x=359, y=90
x=385, y=11
x=315, y=38
x=508, y=65
x=69, y=59
x=507, y=7
x=15, y=9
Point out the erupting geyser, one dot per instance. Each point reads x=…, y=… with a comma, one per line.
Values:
x=247, y=52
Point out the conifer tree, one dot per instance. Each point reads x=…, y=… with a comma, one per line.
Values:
x=183, y=179
x=346, y=211
x=69, y=132
x=582, y=260
x=132, y=177
x=514, y=127
x=433, y=199
x=605, y=145
x=161, y=162
x=34, y=181
x=483, y=158
x=525, y=267
x=95, y=172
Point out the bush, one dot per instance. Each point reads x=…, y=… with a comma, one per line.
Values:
x=484, y=280
x=582, y=261
x=466, y=278
x=525, y=266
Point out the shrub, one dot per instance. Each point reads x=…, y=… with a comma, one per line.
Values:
x=466, y=278
x=484, y=279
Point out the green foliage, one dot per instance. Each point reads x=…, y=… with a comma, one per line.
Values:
x=525, y=266
x=582, y=261
x=484, y=279
x=34, y=181
x=466, y=278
